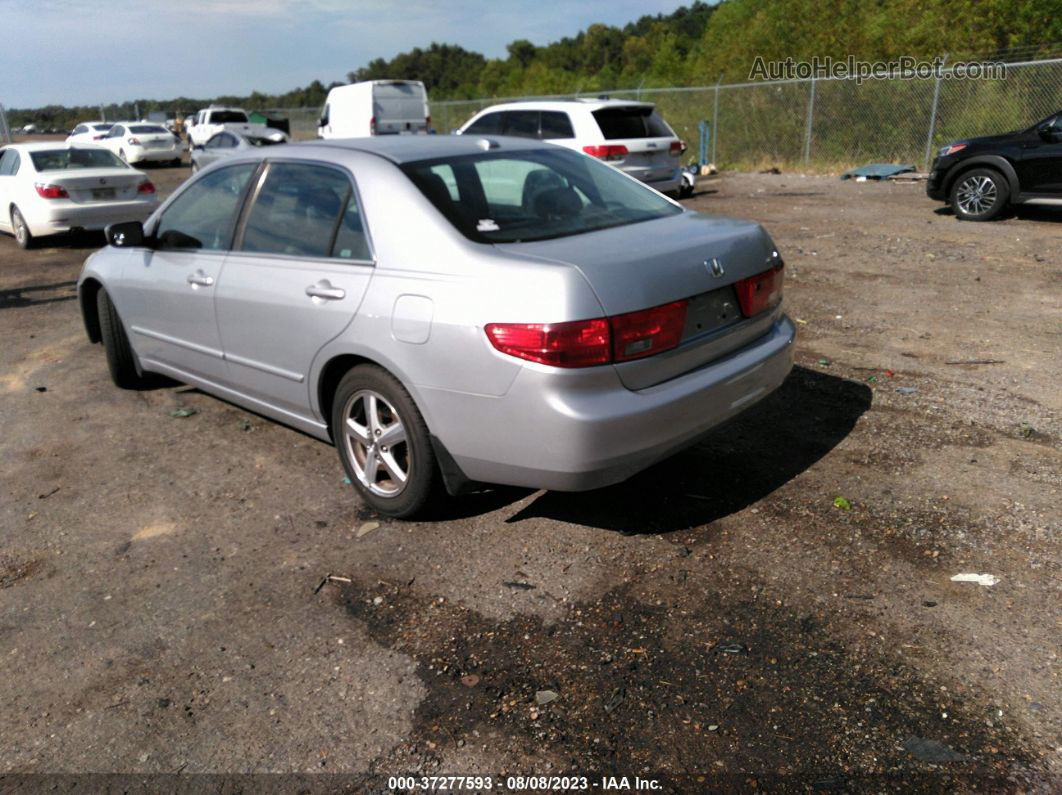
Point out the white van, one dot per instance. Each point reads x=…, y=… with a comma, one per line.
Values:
x=375, y=107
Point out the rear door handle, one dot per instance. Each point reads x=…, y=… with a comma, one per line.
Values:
x=200, y=279
x=324, y=290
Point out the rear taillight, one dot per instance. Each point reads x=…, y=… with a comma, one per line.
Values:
x=647, y=332
x=51, y=191
x=133, y=141
x=677, y=147
x=582, y=343
x=372, y=126
x=760, y=292
x=609, y=152
x=145, y=187
x=588, y=343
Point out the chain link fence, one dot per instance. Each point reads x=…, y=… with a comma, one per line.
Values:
x=821, y=125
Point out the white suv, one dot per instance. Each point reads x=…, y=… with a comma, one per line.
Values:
x=631, y=136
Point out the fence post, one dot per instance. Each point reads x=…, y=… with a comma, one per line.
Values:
x=811, y=117
x=715, y=120
x=932, y=121
x=5, y=132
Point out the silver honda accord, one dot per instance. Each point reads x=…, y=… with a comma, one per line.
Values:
x=448, y=310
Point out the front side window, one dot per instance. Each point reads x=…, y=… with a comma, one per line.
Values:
x=81, y=128
x=305, y=210
x=9, y=160
x=491, y=124
x=203, y=216
x=74, y=158
x=509, y=197
x=117, y=131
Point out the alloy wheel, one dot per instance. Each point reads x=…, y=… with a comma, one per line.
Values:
x=21, y=231
x=977, y=195
x=377, y=444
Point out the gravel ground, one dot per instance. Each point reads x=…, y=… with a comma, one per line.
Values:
x=718, y=622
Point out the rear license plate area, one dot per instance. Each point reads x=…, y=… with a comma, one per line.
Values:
x=709, y=312
x=103, y=193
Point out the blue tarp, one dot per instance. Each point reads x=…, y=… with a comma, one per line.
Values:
x=876, y=171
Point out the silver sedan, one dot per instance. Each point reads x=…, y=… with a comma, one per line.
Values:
x=229, y=143
x=448, y=310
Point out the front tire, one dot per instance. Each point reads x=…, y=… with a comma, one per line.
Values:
x=120, y=358
x=23, y=236
x=383, y=442
x=979, y=195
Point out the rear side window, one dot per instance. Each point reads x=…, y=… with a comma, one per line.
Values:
x=631, y=122
x=491, y=124
x=102, y=127
x=556, y=124
x=202, y=217
x=228, y=117
x=308, y=211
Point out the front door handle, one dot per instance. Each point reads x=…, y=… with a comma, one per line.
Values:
x=324, y=290
x=200, y=279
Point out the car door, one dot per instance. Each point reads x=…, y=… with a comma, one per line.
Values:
x=114, y=137
x=167, y=296
x=1040, y=170
x=294, y=281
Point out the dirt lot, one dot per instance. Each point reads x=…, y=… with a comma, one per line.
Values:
x=716, y=623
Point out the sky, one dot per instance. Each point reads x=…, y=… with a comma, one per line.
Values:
x=86, y=52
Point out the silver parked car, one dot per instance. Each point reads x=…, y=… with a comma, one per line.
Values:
x=448, y=309
x=228, y=143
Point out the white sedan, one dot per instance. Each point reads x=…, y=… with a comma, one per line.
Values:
x=49, y=188
x=88, y=132
x=138, y=142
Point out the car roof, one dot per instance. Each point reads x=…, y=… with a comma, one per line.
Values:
x=568, y=104
x=409, y=148
x=40, y=146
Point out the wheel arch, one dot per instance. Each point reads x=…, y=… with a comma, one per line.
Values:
x=997, y=162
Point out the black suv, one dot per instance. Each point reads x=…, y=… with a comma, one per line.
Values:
x=981, y=176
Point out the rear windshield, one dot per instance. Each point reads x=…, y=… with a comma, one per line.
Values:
x=144, y=129
x=68, y=159
x=512, y=197
x=103, y=127
x=633, y=122
x=228, y=117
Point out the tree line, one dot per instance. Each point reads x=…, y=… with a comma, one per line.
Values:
x=697, y=44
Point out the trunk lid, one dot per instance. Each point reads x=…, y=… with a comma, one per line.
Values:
x=97, y=184
x=628, y=275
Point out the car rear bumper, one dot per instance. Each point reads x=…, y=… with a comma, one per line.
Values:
x=70, y=215
x=580, y=429
x=153, y=155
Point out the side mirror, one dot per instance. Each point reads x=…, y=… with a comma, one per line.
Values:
x=129, y=234
x=1052, y=133
x=322, y=122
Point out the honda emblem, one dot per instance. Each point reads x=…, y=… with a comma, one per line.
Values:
x=715, y=267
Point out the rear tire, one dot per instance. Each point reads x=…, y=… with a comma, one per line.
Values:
x=980, y=194
x=23, y=236
x=383, y=442
x=121, y=360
